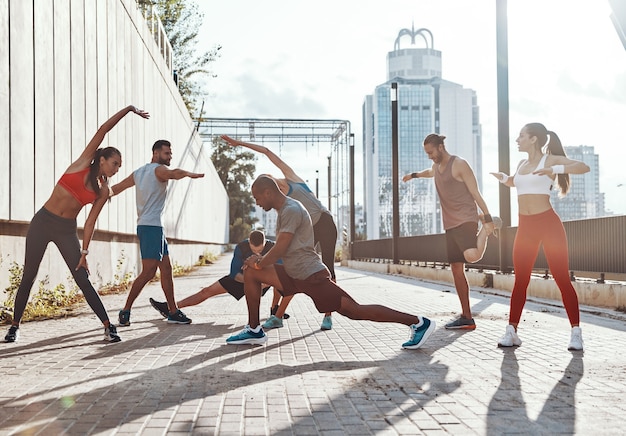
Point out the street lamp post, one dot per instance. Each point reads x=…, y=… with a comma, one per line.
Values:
x=317, y=183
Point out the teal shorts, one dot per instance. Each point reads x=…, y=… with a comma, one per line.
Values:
x=152, y=242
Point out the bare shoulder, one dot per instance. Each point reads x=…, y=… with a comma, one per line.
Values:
x=461, y=166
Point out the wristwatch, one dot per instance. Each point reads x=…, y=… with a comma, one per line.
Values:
x=84, y=251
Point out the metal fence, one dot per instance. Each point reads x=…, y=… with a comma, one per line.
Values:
x=596, y=245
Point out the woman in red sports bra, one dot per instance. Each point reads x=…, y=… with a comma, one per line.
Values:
x=85, y=181
x=539, y=224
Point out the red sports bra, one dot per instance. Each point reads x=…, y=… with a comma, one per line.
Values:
x=75, y=185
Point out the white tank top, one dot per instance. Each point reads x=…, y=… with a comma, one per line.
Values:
x=534, y=183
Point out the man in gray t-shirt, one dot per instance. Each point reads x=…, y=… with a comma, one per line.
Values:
x=303, y=271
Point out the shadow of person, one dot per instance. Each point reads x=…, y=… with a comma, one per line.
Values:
x=141, y=391
x=507, y=411
x=558, y=414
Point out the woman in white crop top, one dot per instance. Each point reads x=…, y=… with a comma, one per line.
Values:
x=539, y=224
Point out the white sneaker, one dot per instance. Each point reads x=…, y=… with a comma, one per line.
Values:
x=576, y=341
x=510, y=338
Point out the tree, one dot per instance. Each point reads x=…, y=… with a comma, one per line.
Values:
x=181, y=20
x=235, y=169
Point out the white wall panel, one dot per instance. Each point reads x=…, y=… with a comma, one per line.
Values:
x=5, y=163
x=22, y=110
x=62, y=88
x=86, y=60
x=44, y=101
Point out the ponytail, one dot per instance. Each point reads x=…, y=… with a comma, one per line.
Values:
x=550, y=143
x=555, y=147
x=93, y=172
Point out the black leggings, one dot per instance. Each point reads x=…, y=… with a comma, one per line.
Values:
x=325, y=232
x=45, y=228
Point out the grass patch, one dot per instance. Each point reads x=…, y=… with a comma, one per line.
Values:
x=61, y=301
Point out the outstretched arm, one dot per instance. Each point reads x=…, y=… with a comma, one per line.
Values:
x=505, y=179
x=287, y=171
x=164, y=174
x=427, y=173
x=87, y=155
x=122, y=186
x=562, y=165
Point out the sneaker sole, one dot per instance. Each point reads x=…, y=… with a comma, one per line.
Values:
x=112, y=340
x=326, y=328
x=508, y=346
x=270, y=327
x=251, y=341
x=461, y=327
x=171, y=321
x=427, y=334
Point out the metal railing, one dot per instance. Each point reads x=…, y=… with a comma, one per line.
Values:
x=596, y=245
x=158, y=33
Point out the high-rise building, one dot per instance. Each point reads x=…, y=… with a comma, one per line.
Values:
x=426, y=103
x=584, y=199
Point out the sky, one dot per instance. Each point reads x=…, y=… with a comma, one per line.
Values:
x=318, y=60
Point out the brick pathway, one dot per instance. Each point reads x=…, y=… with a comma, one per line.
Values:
x=355, y=379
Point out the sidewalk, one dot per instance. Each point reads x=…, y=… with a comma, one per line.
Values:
x=61, y=377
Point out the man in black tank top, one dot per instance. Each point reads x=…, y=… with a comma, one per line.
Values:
x=460, y=201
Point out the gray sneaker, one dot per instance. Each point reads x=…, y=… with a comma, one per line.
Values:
x=461, y=324
x=273, y=322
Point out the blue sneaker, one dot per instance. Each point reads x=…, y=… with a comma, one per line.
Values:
x=327, y=323
x=273, y=322
x=419, y=333
x=248, y=336
x=124, y=317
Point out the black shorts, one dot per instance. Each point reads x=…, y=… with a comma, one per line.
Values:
x=323, y=291
x=459, y=239
x=235, y=288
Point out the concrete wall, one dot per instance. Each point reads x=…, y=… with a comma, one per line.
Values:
x=65, y=67
x=592, y=294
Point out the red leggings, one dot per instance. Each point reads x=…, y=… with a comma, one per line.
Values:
x=546, y=228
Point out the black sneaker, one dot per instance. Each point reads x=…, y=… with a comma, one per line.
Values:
x=274, y=309
x=124, y=317
x=110, y=334
x=13, y=334
x=160, y=307
x=178, y=317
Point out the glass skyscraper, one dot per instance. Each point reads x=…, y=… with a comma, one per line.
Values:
x=426, y=103
x=584, y=199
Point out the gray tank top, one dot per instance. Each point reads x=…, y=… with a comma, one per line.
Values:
x=150, y=193
x=302, y=193
x=457, y=204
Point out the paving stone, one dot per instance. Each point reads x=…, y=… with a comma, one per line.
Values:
x=355, y=379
